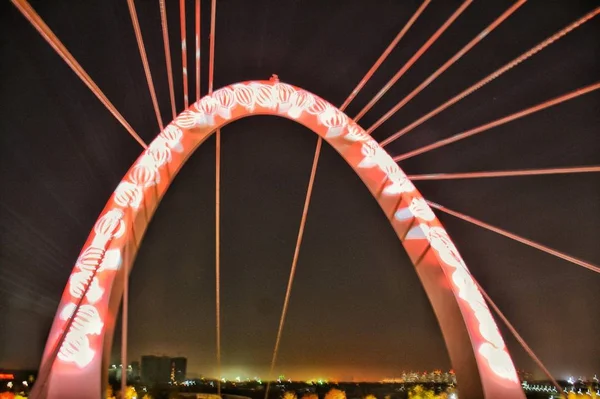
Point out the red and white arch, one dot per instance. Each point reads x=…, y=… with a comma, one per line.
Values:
x=89, y=304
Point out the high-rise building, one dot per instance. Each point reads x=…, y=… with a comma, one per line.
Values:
x=178, y=369
x=156, y=369
x=135, y=370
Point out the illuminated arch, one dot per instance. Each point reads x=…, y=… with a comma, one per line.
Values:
x=477, y=351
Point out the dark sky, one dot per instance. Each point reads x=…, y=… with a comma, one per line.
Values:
x=357, y=307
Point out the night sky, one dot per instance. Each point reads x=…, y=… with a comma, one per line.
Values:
x=357, y=308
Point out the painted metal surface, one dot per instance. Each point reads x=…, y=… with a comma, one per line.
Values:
x=89, y=305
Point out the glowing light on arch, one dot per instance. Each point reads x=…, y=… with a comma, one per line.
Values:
x=475, y=345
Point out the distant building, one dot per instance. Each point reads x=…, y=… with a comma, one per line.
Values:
x=135, y=370
x=435, y=376
x=160, y=369
x=178, y=369
x=156, y=369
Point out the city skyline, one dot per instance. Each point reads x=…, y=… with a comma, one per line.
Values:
x=295, y=373
x=242, y=374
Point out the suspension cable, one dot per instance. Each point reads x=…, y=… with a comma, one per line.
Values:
x=197, y=49
x=515, y=237
x=183, y=52
x=218, y=249
x=518, y=336
x=483, y=34
x=39, y=24
x=505, y=173
x=140, y=42
x=499, y=122
x=385, y=54
x=125, y=312
x=165, y=32
x=211, y=63
x=311, y=182
x=288, y=290
x=413, y=59
x=124, y=330
x=493, y=76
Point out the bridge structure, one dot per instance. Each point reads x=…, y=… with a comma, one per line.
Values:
x=76, y=356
